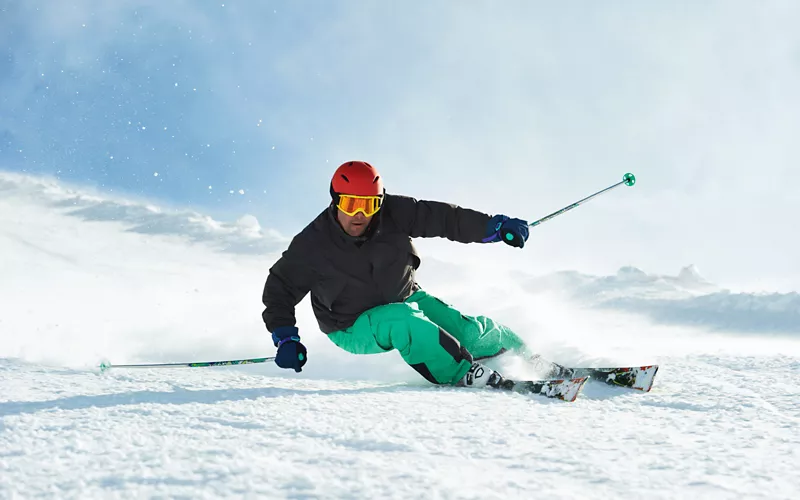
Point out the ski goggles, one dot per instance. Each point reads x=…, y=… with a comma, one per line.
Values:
x=351, y=204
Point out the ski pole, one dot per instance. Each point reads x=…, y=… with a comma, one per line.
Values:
x=628, y=179
x=199, y=364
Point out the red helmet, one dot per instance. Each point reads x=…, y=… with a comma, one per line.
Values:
x=358, y=178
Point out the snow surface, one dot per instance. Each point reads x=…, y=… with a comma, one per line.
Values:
x=85, y=278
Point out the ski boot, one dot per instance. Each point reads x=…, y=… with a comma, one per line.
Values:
x=481, y=376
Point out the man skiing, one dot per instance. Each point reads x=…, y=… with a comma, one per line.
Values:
x=357, y=261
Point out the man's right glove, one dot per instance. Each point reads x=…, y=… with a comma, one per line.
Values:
x=291, y=353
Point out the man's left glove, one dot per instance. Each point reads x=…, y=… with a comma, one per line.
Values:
x=513, y=232
x=291, y=353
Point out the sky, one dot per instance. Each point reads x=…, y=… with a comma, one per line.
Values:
x=240, y=109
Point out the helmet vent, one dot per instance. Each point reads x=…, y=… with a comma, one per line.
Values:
x=377, y=177
x=345, y=178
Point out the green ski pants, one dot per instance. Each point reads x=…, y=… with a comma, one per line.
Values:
x=431, y=336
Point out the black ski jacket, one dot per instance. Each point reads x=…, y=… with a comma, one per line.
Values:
x=347, y=275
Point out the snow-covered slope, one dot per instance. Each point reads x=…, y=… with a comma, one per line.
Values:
x=86, y=277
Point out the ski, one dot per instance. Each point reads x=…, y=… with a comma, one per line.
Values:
x=564, y=389
x=632, y=377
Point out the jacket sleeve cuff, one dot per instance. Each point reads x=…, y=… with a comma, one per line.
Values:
x=283, y=332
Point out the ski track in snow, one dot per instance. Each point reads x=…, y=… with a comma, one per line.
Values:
x=84, y=278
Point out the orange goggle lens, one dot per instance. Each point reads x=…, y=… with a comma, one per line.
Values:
x=351, y=205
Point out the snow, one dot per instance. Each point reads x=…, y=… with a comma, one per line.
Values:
x=86, y=277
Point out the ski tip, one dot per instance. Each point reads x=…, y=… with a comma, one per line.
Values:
x=574, y=389
x=644, y=378
x=651, y=376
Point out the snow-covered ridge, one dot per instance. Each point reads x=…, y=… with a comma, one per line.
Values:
x=684, y=299
x=243, y=236
x=628, y=281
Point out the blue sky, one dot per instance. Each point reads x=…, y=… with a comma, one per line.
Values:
x=515, y=107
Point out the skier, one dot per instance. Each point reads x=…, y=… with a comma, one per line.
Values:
x=357, y=260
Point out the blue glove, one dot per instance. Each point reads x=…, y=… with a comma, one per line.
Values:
x=291, y=353
x=513, y=232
